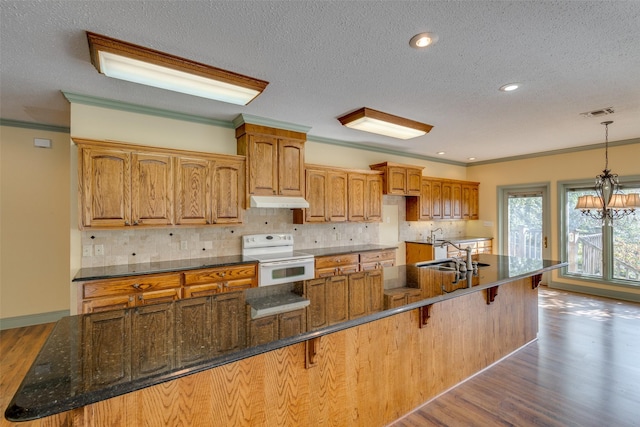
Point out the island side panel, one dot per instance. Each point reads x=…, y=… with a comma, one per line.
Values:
x=368, y=375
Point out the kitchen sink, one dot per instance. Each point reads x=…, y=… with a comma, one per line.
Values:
x=445, y=264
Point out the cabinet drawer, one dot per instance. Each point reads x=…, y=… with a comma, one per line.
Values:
x=377, y=256
x=336, y=261
x=220, y=274
x=114, y=287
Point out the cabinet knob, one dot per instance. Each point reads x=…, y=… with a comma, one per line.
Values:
x=135, y=222
x=126, y=223
x=131, y=298
x=222, y=274
x=140, y=297
x=136, y=285
x=208, y=222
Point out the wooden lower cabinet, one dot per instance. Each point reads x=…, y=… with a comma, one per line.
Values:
x=151, y=354
x=113, y=294
x=335, y=265
x=336, y=299
x=126, y=292
x=277, y=326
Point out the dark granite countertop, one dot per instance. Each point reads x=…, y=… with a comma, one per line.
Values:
x=114, y=271
x=340, y=250
x=69, y=373
x=460, y=239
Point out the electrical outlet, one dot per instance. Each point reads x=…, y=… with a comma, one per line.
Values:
x=99, y=250
x=87, y=250
x=184, y=245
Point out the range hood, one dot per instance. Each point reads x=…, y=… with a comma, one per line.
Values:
x=278, y=202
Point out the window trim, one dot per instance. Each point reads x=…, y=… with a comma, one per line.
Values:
x=563, y=187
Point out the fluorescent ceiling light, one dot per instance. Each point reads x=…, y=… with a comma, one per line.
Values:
x=137, y=64
x=373, y=121
x=509, y=87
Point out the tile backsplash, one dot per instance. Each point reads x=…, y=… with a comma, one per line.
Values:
x=144, y=245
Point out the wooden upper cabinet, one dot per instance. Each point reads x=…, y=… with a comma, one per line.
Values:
x=456, y=200
x=373, y=206
x=414, y=181
x=400, y=180
x=132, y=185
x=193, y=190
x=419, y=208
x=316, y=195
x=357, y=197
x=290, y=167
x=275, y=160
x=105, y=187
x=152, y=189
x=228, y=192
x=337, y=196
x=436, y=199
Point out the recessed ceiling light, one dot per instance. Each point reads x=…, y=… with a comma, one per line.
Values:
x=423, y=40
x=471, y=158
x=440, y=153
x=509, y=87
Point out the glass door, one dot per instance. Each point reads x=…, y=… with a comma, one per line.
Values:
x=523, y=216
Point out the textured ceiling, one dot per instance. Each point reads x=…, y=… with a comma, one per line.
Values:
x=324, y=59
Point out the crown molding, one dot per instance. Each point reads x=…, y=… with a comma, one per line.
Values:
x=111, y=104
x=261, y=121
x=34, y=126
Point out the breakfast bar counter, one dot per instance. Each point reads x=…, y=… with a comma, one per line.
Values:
x=106, y=364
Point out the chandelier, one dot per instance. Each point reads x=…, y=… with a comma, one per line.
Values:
x=609, y=203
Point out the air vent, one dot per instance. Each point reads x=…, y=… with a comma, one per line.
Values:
x=598, y=113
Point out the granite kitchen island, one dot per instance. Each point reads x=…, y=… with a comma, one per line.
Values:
x=167, y=365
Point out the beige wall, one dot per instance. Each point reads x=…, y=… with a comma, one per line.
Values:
x=34, y=243
x=623, y=160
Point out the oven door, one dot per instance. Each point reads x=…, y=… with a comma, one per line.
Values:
x=277, y=272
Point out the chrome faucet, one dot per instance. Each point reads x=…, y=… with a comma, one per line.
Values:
x=469, y=261
x=432, y=234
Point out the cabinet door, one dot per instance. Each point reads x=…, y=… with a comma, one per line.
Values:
x=436, y=199
x=194, y=330
x=228, y=192
x=292, y=323
x=357, y=197
x=290, y=167
x=316, y=293
x=357, y=295
x=193, y=191
x=151, y=189
x=337, y=199
x=474, y=208
x=414, y=182
x=229, y=319
x=152, y=353
x=373, y=198
x=425, y=200
x=262, y=164
x=106, y=344
x=396, y=180
x=456, y=201
x=375, y=291
x=337, y=299
x=417, y=252
x=264, y=330
x=106, y=187
x=447, y=206
x=316, y=194
x=466, y=198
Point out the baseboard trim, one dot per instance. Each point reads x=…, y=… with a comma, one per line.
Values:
x=32, y=319
x=606, y=293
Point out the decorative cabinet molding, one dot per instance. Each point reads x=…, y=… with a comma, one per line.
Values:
x=400, y=180
x=444, y=199
x=275, y=160
x=339, y=195
x=123, y=185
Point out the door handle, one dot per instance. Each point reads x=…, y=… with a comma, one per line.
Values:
x=545, y=242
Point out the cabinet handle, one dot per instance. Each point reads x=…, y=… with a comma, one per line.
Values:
x=126, y=223
x=208, y=222
x=140, y=297
x=136, y=285
x=135, y=222
x=131, y=298
x=222, y=274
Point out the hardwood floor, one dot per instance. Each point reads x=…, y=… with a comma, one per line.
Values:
x=584, y=370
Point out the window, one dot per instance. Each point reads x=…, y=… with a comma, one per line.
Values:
x=595, y=252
